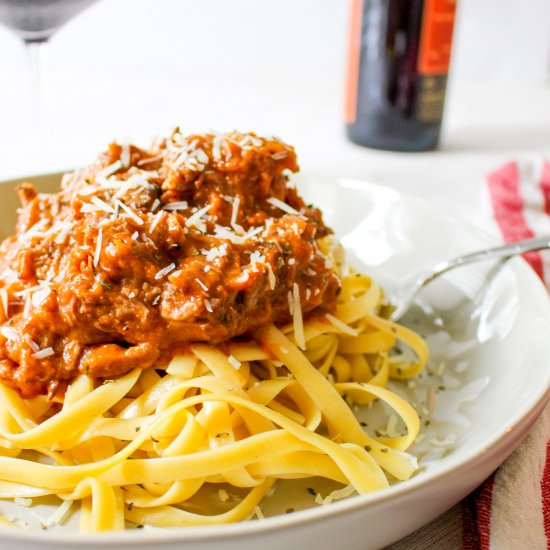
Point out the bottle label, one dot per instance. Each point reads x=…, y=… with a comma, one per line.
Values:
x=437, y=36
x=354, y=55
x=430, y=98
x=434, y=57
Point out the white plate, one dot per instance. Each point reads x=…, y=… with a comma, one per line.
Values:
x=497, y=380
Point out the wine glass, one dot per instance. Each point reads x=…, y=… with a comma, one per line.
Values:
x=35, y=22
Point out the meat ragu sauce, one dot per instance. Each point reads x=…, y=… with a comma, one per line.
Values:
x=200, y=238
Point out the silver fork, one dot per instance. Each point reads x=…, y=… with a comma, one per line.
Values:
x=405, y=301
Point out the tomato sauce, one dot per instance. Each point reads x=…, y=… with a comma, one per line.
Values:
x=199, y=238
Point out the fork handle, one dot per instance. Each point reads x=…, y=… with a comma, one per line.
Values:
x=504, y=251
x=495, y=253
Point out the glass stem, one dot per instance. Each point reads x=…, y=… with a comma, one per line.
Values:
x=37, y=59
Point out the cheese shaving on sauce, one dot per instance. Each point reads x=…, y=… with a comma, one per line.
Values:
x=130, y=213
x=282, y=205
x=160, y=274
x=297, y=318
x=195, y=218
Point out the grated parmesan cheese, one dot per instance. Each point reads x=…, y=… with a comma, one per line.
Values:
x=226, y=233
x=216, y=148
x=202, y=285
x=192, y=221
x=282, y=206
x=102, y=205
x=243, y=277
x=137, y=180
x=64, y=233
x=89, y=208
x=298, y=319
x=11, y=276
x=290, y=302
x=26, y=291
x=180, y=205
x=189, y=156
x=99, y=242
x=43, y=353
x=201, y=156
x=130, y=212
x=279, y=155
x=58, y=516
x=271, y=276
x=125, y=155
x=40, y=296
x=340, y=325
x=156, y=219
x=32, y=344
x=160, y=274
x=338, y=494
x=252, y=233
x=247, y=141
x=143, y=162
x=36, y=229
x=235, y=363
x=9, y=333
x=5, y=301
x=234, y=214
x=110, y=170
x=255, y=258
x=216, y=252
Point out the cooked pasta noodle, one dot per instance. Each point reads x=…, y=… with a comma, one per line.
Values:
x=148, y=447
x=174, y=339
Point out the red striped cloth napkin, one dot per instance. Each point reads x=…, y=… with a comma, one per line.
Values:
x=511, y=509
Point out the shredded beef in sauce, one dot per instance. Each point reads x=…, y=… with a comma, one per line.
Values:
x=200, y=238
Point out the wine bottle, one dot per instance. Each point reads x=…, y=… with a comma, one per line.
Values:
x=397, y=72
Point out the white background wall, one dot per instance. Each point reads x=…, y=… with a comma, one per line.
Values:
x=502, y=39
x=133, y=68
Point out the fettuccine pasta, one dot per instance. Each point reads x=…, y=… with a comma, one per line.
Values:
x=178, y=332
x=138, y=448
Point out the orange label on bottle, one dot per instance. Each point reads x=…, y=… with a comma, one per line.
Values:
x=437, y=36
x=354, y=58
